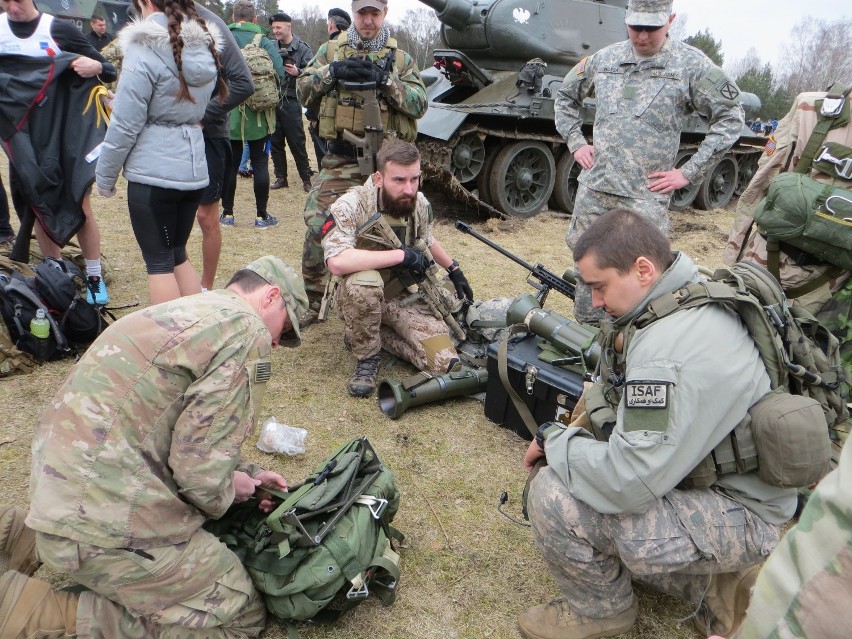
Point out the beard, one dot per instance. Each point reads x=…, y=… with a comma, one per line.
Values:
x=398, y=207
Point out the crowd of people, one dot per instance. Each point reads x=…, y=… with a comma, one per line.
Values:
x=168, y=394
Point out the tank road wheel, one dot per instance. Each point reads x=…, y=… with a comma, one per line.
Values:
x=748, y=167
x=718, y=187
x=565, y=188
x=483, y=180
x=468, y=157
x=683, y=197
x=522, y=178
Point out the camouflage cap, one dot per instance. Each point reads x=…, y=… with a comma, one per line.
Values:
x=357, y=5
x=275, y=271
x=648, y=13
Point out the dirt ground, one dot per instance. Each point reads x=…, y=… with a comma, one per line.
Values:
x=467, y=571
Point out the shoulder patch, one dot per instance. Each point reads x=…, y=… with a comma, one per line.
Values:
x=770, y=147
x=646, y=405
x=728, y=90
x=580, y=67
x=327, y=225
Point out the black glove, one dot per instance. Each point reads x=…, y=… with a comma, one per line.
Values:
x=352, y=70
x=463, y=289
x=415, y=261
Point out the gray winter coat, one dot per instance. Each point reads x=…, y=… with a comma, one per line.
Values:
x=154, y=136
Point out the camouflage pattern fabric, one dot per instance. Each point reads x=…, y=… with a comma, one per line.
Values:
x=194, y=589
x=802, y=590
x=641, y=108
x=140, y=445
x=337, y=175
x=590, y=204
x=405, y=97
x=371, y=323
x=675, y=547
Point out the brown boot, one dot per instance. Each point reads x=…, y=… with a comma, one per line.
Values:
x=556, y=620
x=31, y=608
x=363, y=381
x=726, y=602
x=17, y=542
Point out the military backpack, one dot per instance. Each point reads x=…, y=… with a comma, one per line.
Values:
x=267, y=85
x=328, y=545
x=786, y=436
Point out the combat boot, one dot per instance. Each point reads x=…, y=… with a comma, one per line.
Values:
x=363, y=382
x=31, y=608
x=556, y=620
x=311, y=314
x=17, y=542
x=726, y=601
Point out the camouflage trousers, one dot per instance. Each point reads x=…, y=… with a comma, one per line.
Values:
x=588, y=206
x=195, y=589
x=675, y=547
x=337, y=175
x=804, y=588
x=409, y=331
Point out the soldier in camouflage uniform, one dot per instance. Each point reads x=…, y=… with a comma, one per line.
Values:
x=803, y=590
x=402, y=99
x=372, y=301
x=644, y=89
x=142, y=445
x=609, y=511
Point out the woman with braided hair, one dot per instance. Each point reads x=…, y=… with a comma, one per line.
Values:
x=170, y=71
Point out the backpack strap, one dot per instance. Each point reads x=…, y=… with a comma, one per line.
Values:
x=256, y=39
x=21, y=288
x=824, y=124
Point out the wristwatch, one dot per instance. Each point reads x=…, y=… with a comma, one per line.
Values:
x=546, y=430
x=452, y=267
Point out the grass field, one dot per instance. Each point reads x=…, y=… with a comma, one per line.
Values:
x=467, y=571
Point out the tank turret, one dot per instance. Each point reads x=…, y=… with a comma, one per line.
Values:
x=489, y=131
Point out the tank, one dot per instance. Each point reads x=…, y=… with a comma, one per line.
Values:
x=489, y=132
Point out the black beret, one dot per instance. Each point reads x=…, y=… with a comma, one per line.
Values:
x=279, y=17
x=339, y=13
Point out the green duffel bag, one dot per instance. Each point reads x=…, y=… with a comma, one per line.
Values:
x=328, y=545
x=811, y=216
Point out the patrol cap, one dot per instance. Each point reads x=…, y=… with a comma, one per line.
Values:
x=275, y=271
x=339, y=13
x=357, y=5
x=648, y=13
x=279, y=17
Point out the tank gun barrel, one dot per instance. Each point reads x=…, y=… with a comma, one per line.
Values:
x=453, y=13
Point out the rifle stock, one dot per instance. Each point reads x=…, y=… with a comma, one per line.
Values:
x=377, y=229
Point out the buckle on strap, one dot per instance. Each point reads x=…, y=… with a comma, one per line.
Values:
x=842, y=166
x=376, y=505
x=832, y=105
x=358, y=590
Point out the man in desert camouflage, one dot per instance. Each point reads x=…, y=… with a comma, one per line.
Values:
x=371, y=298
x=354, y=56
x=140, y=447
x=644, y=88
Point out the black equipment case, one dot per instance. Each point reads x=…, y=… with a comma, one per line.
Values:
x=548, y=391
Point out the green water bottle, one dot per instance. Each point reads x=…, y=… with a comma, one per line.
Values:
x=40, y=325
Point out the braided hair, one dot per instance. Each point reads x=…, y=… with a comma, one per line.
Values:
x=176, y=11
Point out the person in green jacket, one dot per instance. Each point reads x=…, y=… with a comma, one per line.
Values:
x=250, y=126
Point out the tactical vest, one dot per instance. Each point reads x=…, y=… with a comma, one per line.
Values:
x=342, y=110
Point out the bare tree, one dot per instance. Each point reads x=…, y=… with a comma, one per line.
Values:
x=750, y=61
x=418, y=33
x=310, y=23
x=817, y=55
x=678, y=29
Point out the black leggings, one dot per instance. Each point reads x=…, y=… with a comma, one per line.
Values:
x=162, y=220
x=259, y=164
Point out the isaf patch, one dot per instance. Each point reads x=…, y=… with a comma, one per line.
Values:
x=646, y=394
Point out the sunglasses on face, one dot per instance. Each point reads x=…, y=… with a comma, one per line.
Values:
x=639, y=28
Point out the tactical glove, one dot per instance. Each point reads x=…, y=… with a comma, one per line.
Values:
x=415, y=261
x=352, y=70
x=463, y=289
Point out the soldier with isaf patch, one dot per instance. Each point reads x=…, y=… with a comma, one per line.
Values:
x=644, y=87
x=636, y=489
x=139, y=447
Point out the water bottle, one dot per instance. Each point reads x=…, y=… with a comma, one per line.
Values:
x=40, y=329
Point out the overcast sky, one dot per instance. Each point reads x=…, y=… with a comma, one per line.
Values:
x=740, y=24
